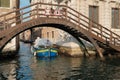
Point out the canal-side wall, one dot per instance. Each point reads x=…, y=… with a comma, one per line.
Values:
x=72, y=52
x=75, y=52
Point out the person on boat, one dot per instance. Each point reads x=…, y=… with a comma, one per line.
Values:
x=47, y=43
x=37, y=42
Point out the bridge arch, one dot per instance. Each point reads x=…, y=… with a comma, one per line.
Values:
x=63, y=24
x=69, y=20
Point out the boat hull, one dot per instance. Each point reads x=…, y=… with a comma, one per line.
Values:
x=49, y=52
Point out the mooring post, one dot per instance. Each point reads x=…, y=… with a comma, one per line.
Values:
x=17, y=22
x=31, y=37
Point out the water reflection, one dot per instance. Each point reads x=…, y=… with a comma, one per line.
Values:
x=45, y=58
x=94, y=69
x=24, y=71
x=28, y=67
x=8, y=70
x=64, y=68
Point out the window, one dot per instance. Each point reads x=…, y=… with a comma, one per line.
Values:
x=115, y=18
x=4, y=3
x=47, y=34
x=52, y=34
x=1, y=26
x=93, y=13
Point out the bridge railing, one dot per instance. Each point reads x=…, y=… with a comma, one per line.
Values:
x=38, y=10
x=93, y=27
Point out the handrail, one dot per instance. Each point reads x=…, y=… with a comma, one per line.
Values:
x=70, y=14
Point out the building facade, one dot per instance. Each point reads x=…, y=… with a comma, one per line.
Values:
x=104, y=12
x=5, y=7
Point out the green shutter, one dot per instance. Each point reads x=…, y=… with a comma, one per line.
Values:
x=4, y=3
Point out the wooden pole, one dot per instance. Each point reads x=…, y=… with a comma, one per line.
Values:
x=17, y=18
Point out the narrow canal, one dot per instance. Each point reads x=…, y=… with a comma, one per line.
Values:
x=28, y=67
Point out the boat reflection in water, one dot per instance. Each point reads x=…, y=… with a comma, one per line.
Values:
x=46, y=58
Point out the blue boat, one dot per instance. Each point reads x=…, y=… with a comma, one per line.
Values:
x=43, y=48
x=45, y=52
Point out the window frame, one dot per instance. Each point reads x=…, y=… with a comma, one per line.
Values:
x=93, y=9
x=53, y=34
x=116, y=18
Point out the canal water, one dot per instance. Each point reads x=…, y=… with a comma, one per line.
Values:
x=28, y=67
